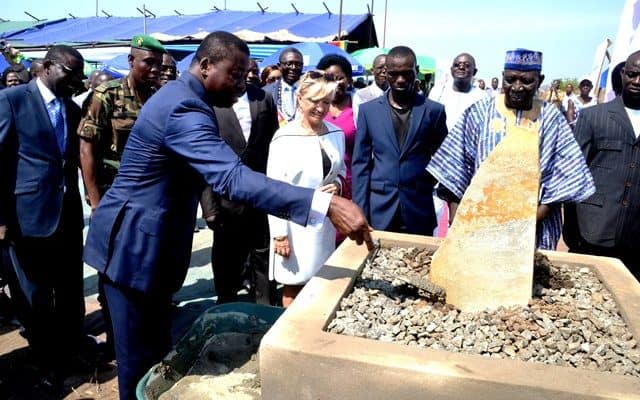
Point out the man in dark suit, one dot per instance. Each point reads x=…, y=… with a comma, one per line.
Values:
x=396, y=137
x=241, y=231
x=284, y=90
x=141, y=233
x=40, y=209
x=608, y=222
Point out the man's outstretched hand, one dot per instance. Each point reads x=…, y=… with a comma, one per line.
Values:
x=349, y=220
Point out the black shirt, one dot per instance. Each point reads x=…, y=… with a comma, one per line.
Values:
x=401, y=118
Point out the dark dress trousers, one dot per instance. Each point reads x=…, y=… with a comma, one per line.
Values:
x=40, y=204
x=241, y=231
x=608, y=222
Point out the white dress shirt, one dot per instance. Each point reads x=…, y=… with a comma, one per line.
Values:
x=48, y=97
x=288, y=99
x=455, y=103
x=243, y=113
x=363, y=95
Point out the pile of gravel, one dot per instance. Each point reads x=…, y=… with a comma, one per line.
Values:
x=572, y=319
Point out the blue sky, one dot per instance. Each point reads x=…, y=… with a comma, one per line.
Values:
x=566, y=31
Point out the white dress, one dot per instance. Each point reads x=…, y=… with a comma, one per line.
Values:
x=295, y=157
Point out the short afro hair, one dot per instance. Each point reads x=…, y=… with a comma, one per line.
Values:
x=336, y=59
x=218, y=46
x=288, y=50
x=61, y=52
x=402, y=51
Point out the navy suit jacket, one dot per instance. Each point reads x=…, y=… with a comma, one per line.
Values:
x=141, y=233
x=274, y=90
x=34, y=174
x=387, y=177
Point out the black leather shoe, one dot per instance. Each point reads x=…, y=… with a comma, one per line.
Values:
x=50, y=384
x=105, y=353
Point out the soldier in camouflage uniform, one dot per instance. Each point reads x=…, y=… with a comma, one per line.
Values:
x=115, y=106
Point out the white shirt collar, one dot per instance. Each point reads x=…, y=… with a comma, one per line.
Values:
x=375, y=89
x=45, y=92
x=286, y=86
x=244, y=98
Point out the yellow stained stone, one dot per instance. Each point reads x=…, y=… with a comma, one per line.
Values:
x=486, y=260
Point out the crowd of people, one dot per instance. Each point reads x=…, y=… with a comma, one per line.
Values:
x=284, y=164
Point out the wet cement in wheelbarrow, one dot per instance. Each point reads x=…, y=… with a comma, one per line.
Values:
x=227, y=368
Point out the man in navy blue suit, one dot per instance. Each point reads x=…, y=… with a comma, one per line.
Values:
x=40, y=208
x=396, y=137
x=141, y=233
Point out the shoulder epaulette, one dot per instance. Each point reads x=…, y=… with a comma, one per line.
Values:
x=112, y=84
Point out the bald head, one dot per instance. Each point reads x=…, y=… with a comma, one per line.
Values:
x=100, y=78
x=631, y=81
x=380, y=58
x=632, y=59
x=463, y=69
x=465, y=55
x=380, y=72
x=36, y=67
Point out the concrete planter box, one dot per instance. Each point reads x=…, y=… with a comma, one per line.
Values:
x=299, y=360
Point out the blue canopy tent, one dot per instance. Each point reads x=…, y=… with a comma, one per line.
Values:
x=7, y=28
x=250, y=26
x=183, y=65
x=120, y=62
x=312, y=52
x=118, y=66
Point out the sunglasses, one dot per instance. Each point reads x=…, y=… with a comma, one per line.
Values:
x=462, y=65
x=314, y=74
x=68, y=71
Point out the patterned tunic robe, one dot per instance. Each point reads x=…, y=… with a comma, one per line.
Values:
x=564, y=173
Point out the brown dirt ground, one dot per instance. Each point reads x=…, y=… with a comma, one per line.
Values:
x=17, y=375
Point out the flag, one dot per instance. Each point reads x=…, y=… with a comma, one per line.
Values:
x=342, y=44
x=627, y=39
x=600, y=58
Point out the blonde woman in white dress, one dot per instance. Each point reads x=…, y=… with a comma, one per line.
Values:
x=307, y=152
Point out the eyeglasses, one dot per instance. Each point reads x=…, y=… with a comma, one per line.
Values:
x=291, y=64
x=272, y=79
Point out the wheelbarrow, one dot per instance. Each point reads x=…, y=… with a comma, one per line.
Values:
x=217, y=321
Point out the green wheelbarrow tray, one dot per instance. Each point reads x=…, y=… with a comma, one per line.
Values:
x=231, y=317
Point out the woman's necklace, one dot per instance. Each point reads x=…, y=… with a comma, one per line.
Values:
x=335, y=109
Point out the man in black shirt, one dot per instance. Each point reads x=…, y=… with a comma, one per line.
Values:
x=397, y=134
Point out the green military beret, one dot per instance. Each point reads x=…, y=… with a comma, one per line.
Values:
x=146, y=42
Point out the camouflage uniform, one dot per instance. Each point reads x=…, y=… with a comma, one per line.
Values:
x=113, y=110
